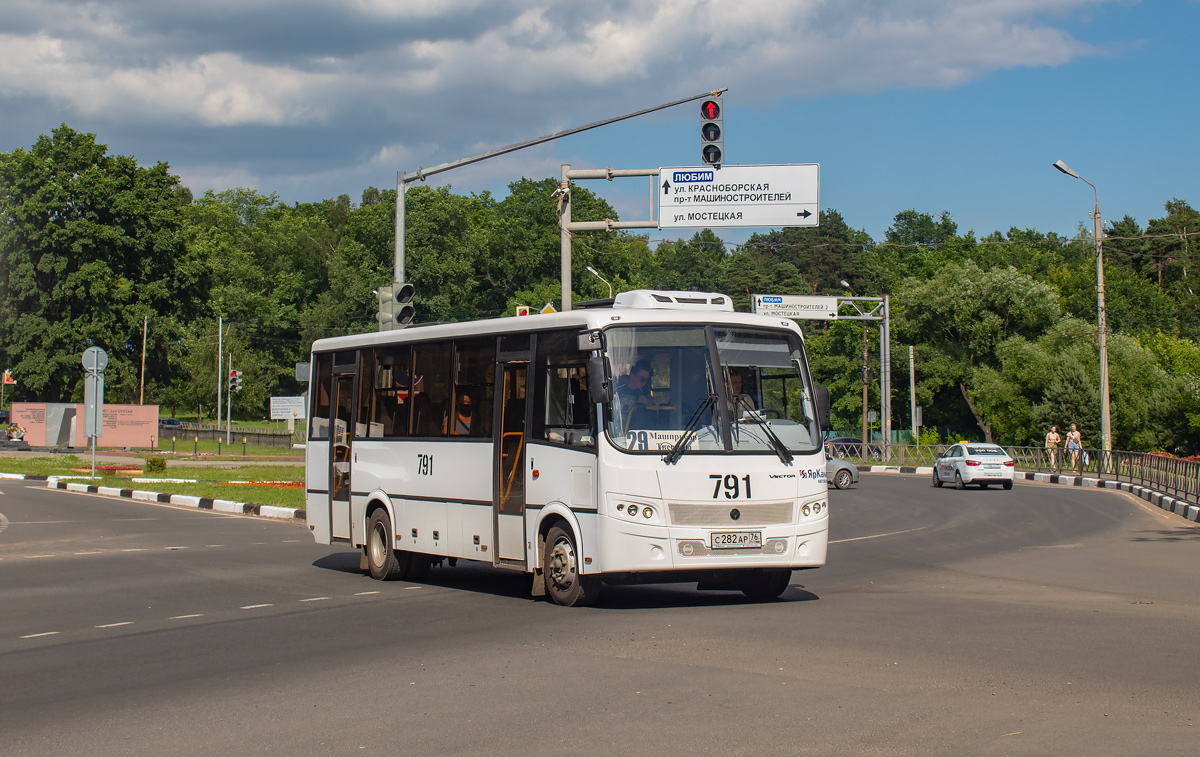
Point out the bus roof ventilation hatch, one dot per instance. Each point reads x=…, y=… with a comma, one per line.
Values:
x=666, y=300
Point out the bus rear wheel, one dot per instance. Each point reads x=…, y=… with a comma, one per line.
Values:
x=560, y=569
x=382, y=560
x=764, y=584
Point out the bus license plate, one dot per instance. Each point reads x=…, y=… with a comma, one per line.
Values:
x=737, y=540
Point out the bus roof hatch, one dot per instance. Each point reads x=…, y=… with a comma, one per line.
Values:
x=666, y=300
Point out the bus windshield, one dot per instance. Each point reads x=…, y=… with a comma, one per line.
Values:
x=755, y=397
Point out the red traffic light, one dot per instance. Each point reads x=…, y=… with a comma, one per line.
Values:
x=710, y=109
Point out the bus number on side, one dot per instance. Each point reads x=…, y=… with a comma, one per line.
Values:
x=424, y=464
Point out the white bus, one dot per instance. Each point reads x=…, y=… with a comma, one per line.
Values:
x=606, y=445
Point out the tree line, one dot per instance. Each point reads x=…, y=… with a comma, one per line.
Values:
x=95, y=246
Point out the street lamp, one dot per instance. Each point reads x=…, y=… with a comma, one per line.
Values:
x=1105, y=417
x=597, y=275
x=866, y=376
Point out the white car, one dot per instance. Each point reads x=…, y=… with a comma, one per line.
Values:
x=970, y=463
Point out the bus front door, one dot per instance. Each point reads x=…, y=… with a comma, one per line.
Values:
x=340, y=457
x=509, y=498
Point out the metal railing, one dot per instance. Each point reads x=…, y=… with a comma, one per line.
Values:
x=1169, y=475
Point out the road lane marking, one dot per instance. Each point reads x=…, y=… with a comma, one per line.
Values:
x=254, y=607
x=365, y=593
x=35, y=557
x=410, y=588
x=314, y=599
x=114, y=625
x=174, y=547
x=89, y=553
x=35, y=635
x=879, y=536
x=140, y=549
x=214, y=545
x=181, y=617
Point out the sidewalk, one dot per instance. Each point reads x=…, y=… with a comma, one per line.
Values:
x=1180, y=507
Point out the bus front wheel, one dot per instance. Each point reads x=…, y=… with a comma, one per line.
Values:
x=560, y=568
x=381, y=558
x=764, y=584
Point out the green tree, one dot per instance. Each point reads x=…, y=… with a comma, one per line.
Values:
x=89, y=248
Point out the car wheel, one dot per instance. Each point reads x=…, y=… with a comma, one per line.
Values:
x=1008, y=484
x=936, y=481
x=842, y=479
x=958, y=482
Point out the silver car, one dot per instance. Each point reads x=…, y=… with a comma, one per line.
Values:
x=840, y=473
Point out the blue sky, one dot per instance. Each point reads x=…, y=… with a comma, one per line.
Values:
x=928, y=104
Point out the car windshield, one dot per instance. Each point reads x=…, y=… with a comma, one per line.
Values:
x=985, y=451
x=754, y=398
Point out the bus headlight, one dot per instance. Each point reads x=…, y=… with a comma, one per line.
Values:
x=806, y=510
x=647, y=512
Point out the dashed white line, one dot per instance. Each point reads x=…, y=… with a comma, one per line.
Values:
x=139, y=549
x=114, y=625
x=88, y=553
x=410, y=588
x=291, y=541
x=181, y=617
x=365, y=593
x=35, y=635
x=877, y=536
x=254, y=607
x=174, y=547
x=35, y=557
x=214, y=545
x=314, y=599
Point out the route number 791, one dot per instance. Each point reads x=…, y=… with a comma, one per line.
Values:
x=731, y=484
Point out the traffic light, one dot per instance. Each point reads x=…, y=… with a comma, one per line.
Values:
x=712, y=136
x=395, y=306
x=235, y=381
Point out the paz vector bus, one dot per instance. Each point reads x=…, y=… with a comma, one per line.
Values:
x=653, y=437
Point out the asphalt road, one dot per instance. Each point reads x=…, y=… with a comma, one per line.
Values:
x=1043, y=620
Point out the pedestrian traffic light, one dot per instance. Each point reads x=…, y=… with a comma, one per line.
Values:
x=235, y=381
x=712, y=136
x=395, y=306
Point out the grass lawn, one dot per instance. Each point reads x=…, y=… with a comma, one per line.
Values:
x=212, y=479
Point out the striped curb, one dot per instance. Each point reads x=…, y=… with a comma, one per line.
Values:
x=1175, y=505
x=21, y=476
x=202, y=503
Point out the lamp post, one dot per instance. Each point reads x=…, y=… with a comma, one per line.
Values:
x=1105, y=417
x=597, y=275
x=866, y=376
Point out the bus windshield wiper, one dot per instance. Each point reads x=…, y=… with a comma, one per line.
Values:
x=781, y=449
x=688, y=431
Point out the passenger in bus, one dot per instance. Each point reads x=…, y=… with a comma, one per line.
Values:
x=460, y=423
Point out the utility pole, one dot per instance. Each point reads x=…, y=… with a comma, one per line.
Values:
x=220, y=373
x=142, y=388
x=912, y=391
x=866, y=376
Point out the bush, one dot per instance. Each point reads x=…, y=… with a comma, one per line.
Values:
x=155, y=466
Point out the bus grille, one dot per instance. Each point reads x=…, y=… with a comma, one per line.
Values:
x=719, y=515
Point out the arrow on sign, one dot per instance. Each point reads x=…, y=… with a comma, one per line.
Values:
x=666, y=187
x=804, y=213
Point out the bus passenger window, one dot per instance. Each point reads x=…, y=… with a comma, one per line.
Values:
x=319, y=426
x=568, y=417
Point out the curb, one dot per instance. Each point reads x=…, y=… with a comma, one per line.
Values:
x=202, y=503
x=1175, y=505
x=21, y=476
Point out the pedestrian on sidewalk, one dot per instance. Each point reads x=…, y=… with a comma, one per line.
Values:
x=1052, y=440
x=1074, y=445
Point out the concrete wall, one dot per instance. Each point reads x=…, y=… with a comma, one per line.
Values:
x=50, y=424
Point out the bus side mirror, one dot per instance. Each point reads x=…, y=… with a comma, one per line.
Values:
x=822, y=402
x=599, y=380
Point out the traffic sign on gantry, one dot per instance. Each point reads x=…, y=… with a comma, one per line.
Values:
x=779, y=195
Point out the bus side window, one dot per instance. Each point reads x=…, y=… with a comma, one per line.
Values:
x=568, y=416
x=393, y=366
x=319, y=426
x=431, y=388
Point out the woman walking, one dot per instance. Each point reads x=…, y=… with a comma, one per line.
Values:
x=1074, y=445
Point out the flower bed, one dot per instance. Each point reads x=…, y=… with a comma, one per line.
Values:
x=108, y=468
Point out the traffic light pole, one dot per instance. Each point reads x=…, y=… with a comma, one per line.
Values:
x=404, y=179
